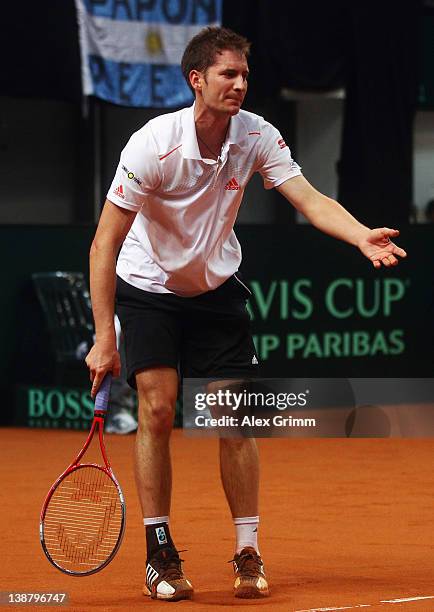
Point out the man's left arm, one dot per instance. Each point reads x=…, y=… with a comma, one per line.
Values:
x=331, y=218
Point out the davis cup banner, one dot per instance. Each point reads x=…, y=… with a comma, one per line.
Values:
x=320, y=309
x=131, y=49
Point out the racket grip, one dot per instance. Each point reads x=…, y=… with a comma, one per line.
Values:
x=103, y=394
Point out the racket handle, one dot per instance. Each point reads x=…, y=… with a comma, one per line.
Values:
x=103, y=394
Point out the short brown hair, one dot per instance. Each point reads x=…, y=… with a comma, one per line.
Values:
x=201, y=51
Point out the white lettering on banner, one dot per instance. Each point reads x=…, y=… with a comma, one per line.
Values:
x=131, y=49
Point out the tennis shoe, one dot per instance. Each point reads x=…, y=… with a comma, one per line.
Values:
x=165, y=578
x=250, y=580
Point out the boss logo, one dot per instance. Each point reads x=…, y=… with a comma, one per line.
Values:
x=56, y=403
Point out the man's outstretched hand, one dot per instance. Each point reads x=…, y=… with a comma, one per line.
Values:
x=377, y=246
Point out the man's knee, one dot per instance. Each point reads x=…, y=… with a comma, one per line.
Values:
x=157, y=389
x=156, y=416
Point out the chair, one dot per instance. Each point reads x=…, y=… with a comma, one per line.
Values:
x=65, y=301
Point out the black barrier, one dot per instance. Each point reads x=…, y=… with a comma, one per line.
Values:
x=319, y=309
x=26, y=356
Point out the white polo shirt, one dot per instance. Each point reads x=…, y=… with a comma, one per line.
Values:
x=182, y=240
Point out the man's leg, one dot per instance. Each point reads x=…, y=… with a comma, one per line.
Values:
x=157, y=389
x=239, y=459
x=219, y=340
x=239, y=469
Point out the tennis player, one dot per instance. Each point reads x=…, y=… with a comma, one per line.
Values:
x=171, y=210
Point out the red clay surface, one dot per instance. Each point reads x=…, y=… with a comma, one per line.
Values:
x=343, y=523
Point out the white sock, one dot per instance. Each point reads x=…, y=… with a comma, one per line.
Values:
x=154, y=520
x=247, y=532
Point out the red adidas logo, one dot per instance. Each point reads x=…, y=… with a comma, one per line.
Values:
x=232, y=185
x=119, y=191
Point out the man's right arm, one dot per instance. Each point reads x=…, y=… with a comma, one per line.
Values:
x=113, y=226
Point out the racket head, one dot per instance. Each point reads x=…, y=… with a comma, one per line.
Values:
x=83, y=520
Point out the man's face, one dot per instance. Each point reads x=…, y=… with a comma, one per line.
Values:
x=224, y=84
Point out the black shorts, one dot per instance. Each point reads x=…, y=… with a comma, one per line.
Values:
x=207, y=336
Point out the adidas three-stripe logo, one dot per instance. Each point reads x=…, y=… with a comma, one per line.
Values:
x=151, y=575
x=232, y=185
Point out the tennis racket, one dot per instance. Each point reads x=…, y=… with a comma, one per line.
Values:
x=83, y=516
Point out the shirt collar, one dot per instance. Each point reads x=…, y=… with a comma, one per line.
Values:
x=237, y=130
x=190, y=148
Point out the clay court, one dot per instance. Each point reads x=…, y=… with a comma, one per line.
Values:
x=345, y=524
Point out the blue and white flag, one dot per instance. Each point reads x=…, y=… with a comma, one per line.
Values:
x=131, y=49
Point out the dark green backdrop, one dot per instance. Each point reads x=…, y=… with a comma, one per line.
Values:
x=319, y=309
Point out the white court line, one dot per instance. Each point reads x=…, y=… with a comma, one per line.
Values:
x=406, y=599
x=331, y=609
x=391, y=601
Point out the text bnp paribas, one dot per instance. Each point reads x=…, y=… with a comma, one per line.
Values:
x=343, y=317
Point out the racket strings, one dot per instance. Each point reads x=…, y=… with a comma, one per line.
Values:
x=83, y=520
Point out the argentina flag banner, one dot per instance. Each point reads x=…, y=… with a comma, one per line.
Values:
x=131, y=49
